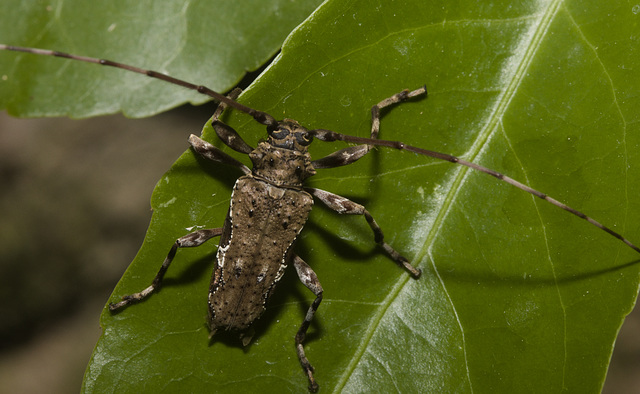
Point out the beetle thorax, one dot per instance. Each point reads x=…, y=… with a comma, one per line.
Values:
x=281, y=167
x=283, y=160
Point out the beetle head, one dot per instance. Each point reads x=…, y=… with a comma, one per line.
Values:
x=288, y=134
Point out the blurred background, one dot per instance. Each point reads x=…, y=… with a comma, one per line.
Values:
x=74, y=197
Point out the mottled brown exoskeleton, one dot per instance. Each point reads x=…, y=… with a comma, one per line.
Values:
x=270, y=205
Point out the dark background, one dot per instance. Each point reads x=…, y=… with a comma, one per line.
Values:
x=74, y=203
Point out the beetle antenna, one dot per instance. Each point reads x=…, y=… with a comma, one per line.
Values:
x=261, y=117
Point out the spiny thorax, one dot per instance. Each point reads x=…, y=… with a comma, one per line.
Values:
x=281, y=166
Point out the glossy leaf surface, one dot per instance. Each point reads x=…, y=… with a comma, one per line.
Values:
x=516, y=294
x=210, y=42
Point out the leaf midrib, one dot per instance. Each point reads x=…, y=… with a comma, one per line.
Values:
x=494, y=119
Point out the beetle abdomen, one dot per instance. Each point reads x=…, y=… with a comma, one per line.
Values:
x=262, y=225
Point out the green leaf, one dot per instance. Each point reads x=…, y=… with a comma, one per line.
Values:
x=210, y=42
x=516, y=295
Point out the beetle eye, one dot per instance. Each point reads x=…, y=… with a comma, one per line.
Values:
x=304, y=139
x=281, y=133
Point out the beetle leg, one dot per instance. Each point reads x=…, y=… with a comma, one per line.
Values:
x=196, y=238
x=230, y=137
x=310, y=280
x=344, y=206
x=233, y=95
x=226, y=133
x=208, y=151
x=396, y=98
x=342, y=157
x=351, y=154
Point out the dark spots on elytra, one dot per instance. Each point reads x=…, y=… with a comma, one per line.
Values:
x=285, y=225
x=251, y=213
